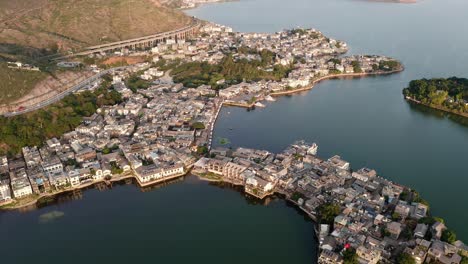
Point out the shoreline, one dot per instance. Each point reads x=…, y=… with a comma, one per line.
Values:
x=197, y=5
x=312, y=85
x=6, y=207
x=210, y=141
x=439, y=108
x=286, y=198
x=282, y=196
x=336, y=76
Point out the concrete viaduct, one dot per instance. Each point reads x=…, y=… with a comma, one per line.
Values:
x=142, y=42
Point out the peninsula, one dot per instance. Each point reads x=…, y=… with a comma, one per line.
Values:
x=153, y=121
x=448, y=95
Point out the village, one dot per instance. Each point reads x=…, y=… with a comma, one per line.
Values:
x=374, y=216
x=165, y=131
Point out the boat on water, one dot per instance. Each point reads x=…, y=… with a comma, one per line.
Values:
x=270, y=98
x=258, y=104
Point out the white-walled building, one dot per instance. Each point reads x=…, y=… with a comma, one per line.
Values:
x=5, y=192
x=150, y=173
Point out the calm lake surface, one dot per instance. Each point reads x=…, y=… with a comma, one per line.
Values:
x=189, y=221
x=366, y=121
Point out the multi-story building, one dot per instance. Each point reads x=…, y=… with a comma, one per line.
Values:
x=147, y=174
x=52, y=166
x=20, y=184
x=5, y=191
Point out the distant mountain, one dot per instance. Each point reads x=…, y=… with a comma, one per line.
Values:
x=34, y=26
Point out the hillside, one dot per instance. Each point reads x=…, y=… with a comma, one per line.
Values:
x=17, y=83
x=27, y=26
x=32, y=29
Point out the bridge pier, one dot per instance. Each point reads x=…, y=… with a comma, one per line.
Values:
x=148, y=41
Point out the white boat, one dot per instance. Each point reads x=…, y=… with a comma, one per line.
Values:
x=313, y=149
x=258, y=104
x=270, y=98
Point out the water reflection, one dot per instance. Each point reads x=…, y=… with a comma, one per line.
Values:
x=78, y=194
x=73, y=195
x=427, y=111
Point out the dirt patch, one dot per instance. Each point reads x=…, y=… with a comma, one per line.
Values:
x=124, y=60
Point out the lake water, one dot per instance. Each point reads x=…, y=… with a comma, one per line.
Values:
x=189, y=221
x=366, y=121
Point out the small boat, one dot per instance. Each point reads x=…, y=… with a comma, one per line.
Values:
x=258, y=104
x=270, y=98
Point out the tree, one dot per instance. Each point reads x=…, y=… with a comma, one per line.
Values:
x=464, y=260
x=198, y=125
x=350, y=256
x=395, y=216
x=202, y=150
x=356, y=66
x=328, y=212
x=405, y=258
x=449, y=236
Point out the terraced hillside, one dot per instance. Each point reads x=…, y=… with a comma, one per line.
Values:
x=65, y=25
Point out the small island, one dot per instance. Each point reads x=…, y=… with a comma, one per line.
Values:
x=449, y=95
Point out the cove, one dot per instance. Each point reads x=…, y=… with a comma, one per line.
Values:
x=184, y=221
x=367, y=121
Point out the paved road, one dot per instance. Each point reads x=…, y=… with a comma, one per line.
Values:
x=61, y=95
x=130, y=42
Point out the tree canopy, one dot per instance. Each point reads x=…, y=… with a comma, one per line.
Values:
x=34, y=128
x=451, y=93
x=405, y=258
x=350, y=256
x=449, y=236
x=328, y=212
x=230, y=69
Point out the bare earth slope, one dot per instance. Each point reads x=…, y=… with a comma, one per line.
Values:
x=32, y=29
x=71, y=25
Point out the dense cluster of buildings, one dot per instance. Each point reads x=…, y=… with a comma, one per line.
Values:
x=152, y=135
x=375, y=217
x=160, y=133
x=311, y=55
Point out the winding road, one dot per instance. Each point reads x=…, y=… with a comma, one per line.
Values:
x=61, y=95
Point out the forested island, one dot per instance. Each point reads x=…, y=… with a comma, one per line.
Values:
x=450, y=95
